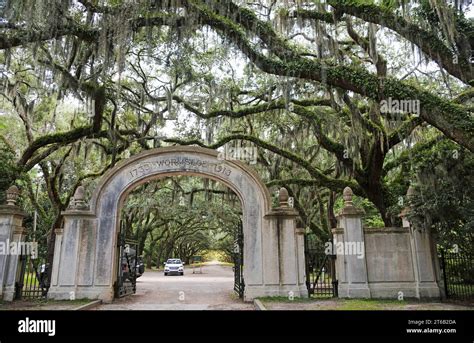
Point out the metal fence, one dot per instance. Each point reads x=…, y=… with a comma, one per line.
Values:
x=126, y=283
x=458, y=275
x=32, y=278
x=238, y=259
x=320, y=270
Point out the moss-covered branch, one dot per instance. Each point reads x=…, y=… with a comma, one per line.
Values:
x=405, y=129
x=318, y=230
x=339, y=150
x=452, y=119
x=240, y=26
x=314, y=172
x=306, y=14
x=20, y=37
x=427, y=41
x=408, y=155
x=59, y=139
x=336, y=185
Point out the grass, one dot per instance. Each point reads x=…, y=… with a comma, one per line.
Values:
x=30, y=280
x=370, y=304
x=340, y=304
x=355, y=304
x=42, y=304
x=234, y=296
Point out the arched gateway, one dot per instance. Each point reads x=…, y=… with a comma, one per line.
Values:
x=86, y=247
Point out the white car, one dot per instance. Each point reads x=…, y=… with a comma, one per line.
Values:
x=174, y=266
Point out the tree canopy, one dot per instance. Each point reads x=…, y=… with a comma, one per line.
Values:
x=330, y=93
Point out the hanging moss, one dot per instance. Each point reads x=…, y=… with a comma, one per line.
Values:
x=8, y=170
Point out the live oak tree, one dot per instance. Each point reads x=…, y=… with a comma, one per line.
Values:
x=302, y=81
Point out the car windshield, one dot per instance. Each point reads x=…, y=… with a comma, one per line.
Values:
x=173, y=262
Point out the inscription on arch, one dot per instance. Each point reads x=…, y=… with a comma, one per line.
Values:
x=178, y=163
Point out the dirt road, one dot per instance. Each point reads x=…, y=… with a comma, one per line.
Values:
x=211, y=290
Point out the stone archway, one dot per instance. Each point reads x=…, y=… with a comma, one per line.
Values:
x=85, y=251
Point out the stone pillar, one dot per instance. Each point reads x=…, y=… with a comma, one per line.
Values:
x=74, y=253
x=11, y=231
x=10, y=284
x=290, y=248
x=354, y=283
x=57, y=256
x=424, y=257
x=300, y=232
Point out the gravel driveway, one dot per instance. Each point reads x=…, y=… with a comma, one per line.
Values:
x=211, y=290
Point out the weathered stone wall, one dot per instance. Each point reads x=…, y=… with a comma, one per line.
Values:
x=389, y=262
x=11, y=231
x=396, y=262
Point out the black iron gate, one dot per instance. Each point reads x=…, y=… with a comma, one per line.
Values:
x=127, y=266
x=32, y=278
x=238, y=259
x=458, y=275
x=32, y=274
x=320, y=269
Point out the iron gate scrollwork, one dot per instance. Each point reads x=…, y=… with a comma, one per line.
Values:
x=126, y=283
x=238, y=259
x=32, y=278
x=33, y=270
x=320, y=269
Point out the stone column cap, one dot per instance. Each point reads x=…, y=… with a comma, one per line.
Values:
x=283, y=212
x=12, y=210
x=18, y=230
x=59, y=231
x=351, y=211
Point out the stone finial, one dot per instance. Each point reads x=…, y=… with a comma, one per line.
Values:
x=12, y=195
x=349, y=209
x=347, y=196
x=283, y=197
x=78, y=200
x=79, y=193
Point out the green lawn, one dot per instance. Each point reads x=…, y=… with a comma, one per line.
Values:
x=284, y=303
x=371, y=304
x=30, y=279
x=42, y=304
